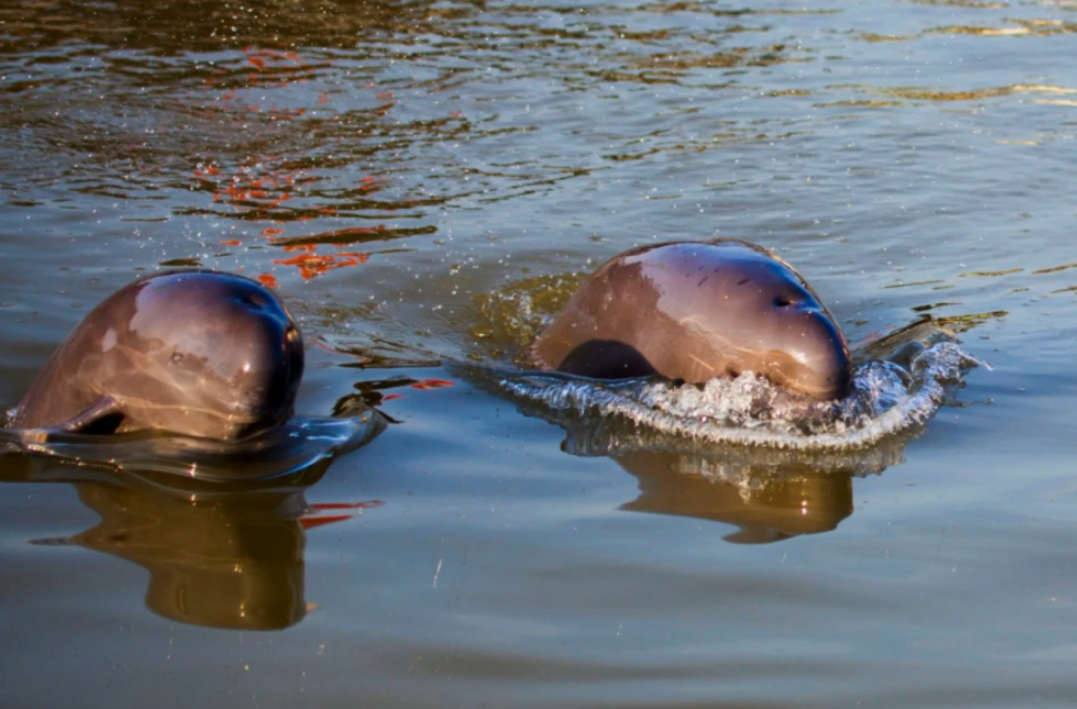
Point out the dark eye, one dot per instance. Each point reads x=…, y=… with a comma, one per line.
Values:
x=781, y=301
x=255, y=301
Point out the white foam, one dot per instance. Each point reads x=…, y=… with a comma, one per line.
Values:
x=749, y=411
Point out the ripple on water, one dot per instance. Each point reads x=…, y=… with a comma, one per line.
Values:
x=274, y=453
x=886, y=400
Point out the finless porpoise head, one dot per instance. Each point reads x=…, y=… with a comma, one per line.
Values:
x=194, y=352
x=698, y=310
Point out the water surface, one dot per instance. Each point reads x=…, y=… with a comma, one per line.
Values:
x=424, y=182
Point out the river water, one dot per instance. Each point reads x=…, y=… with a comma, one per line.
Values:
x=423, y=183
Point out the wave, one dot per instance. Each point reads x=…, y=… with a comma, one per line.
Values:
x=604, y=417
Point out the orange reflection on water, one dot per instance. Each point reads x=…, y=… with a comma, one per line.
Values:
x=427, y=384
x=259, y=186
x=314, y=520
x=312, y=264
x=276, y=67
x=252, y=187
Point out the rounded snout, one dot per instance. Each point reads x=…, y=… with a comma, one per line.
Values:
x=820, y=365
x=268, y=365
x=232, y=355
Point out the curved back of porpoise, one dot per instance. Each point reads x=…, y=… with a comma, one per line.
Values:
x=695, y=311
x=200, y=353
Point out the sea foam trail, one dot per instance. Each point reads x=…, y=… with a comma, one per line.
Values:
x=886, y=400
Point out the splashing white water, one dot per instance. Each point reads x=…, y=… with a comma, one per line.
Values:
x=750, y=411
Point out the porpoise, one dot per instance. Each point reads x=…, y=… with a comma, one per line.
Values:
x=694, y=311
x=194, y=352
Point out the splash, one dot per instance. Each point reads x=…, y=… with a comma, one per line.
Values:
x=886, y=401
x=274, y=453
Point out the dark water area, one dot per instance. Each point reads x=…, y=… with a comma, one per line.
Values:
x=424, y=183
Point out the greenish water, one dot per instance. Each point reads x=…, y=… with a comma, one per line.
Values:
x=421, y=182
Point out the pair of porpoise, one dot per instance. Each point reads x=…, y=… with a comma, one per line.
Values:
x=216, y=355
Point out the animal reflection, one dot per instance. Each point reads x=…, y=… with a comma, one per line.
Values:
x=221, y=556
x=767, y=503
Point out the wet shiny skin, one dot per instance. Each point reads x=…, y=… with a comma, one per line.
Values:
x=695, y=311
x=200, y=353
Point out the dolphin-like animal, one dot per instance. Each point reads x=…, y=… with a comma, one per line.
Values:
x=698, y=310
x=194, y=352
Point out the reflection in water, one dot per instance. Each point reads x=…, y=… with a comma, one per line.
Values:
x=769, y=494
x=228, y=563
x=219, y=555
x=219, y=525
x=767, y=503
x=772, y=490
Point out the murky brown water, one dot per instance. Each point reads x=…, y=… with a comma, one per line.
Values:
x=422, y=182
